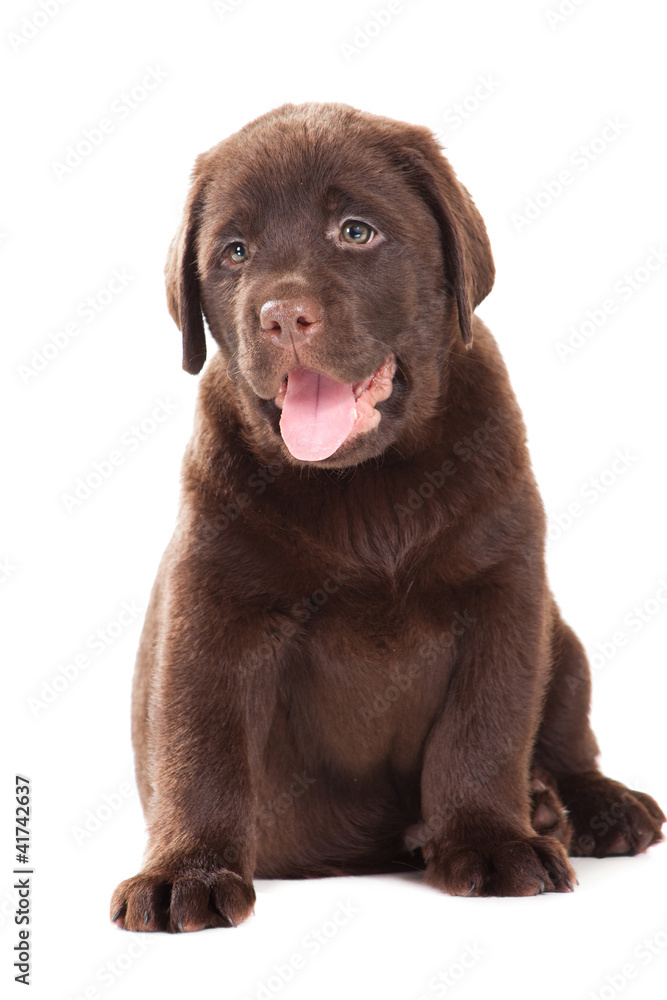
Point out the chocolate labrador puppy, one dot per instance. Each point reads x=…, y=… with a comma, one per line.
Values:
x=352, y=661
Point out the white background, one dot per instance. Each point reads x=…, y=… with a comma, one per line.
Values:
x=552, y=86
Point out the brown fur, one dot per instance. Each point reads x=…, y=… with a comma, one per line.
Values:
x=355, y=665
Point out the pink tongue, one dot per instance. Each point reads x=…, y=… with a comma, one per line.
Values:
x=318, y=414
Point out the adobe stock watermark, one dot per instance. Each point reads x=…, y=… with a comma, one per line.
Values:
x=95, y=644
x=579, y=161
x=268, y=812
x=32, y=24
x=101, y=813
x=122, y=107
x=85, y=312
x=652, y=947
x=257, y=481
x=591, y=492
x=459, y=114
x=131, y=440
x=115, y=969
x=7, y=569
x=561, y=12
x=622, y=291
x=379, y=19
x=223, y=7
x=310, y=945
x=425, y=656
x=634, y=621
x=445, y=980
x=464, y=449
x=300, y=613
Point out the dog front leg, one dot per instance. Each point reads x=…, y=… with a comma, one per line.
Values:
x=209, y=689
x=477, y=836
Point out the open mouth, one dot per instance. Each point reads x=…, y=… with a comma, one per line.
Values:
x=319, y=413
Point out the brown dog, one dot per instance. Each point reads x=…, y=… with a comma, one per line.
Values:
x=352, y=661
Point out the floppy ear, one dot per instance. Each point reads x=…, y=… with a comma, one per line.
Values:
x=469, y=268
x=182, y=279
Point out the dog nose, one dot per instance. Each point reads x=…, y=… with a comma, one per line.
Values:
x=290, y=322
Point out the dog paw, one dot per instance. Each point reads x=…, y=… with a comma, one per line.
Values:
x=608, y=818
x=548, y=814
x=525, y=866
x=189, y=897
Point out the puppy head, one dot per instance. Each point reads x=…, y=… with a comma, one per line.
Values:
x=337, y=261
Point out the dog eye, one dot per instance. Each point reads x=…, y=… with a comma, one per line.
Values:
x=237, y=252
x=354, y=231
